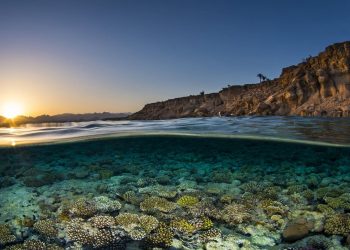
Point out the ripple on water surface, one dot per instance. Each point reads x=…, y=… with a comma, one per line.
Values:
x=310, y=130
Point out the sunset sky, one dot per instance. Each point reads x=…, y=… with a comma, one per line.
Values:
x=93, y=56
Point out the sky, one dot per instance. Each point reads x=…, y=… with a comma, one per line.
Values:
x=93, y=56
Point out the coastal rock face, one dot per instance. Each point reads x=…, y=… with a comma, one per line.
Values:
x=319, y=86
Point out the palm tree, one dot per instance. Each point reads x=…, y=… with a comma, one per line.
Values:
x=260, y=76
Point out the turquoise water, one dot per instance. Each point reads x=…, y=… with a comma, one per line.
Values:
x=214, y=183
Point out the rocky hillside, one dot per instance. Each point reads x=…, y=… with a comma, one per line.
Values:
x=319, y=86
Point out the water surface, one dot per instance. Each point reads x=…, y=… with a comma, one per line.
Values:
x=313, y=130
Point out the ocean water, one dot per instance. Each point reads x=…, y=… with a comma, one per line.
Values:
x=197, y=183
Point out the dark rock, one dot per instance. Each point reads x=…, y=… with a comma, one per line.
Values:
x=6, y=182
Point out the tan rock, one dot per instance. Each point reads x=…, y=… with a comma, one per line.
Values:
x=320, y=86
x=296, y=230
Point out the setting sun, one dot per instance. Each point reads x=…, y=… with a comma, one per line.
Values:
x=11, y=110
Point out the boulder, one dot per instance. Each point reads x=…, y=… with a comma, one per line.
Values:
x=296, y=230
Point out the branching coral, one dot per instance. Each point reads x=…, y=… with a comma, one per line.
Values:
x=235, y=214
x=82, y=232
x=325, y=209
x=222, y=176
x=143, y=224
x=162, y=237
x=204, y=208
x=187, y=201
x=34, y=245
x=127, y=221
x=77, y=232
x=337, y=224
x=328, y=191
x=83, y=208
x=137, y=234
x=104, y=204
x=107, y=238
x=210, y=235
x=153, y=203
x=6, y=235
x=182, y=226
x=341, y=202
x=159, y=190
x=130, y=197
x=272, y=207
x=102, y=221
x=148, y=223
x=297, y=188
x=143, y=182
x=46, y=228
x=252, y=187
x=202, y=223
x=86, y=208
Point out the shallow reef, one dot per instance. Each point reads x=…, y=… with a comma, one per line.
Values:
x=173, y=192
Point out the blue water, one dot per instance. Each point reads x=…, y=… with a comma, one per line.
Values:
x=198, y=183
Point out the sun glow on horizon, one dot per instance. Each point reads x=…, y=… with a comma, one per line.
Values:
x=11, y=109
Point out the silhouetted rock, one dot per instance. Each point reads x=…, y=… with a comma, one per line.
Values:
x=67, y=117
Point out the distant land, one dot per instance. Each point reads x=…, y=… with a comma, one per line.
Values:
x=318, y=86
x=67, y=117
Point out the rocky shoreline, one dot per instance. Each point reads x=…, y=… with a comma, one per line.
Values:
x=319, y=86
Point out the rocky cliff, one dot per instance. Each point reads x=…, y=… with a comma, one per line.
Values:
x=319, y=86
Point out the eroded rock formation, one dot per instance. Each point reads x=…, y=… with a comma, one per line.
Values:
x=319, y=86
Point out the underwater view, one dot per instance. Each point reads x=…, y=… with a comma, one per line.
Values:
x=199, y=183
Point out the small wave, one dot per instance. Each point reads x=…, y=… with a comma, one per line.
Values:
x=320, y=131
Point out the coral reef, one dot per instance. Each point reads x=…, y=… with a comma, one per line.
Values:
x=337, y=224
x=177, y=195
x=153, y=203
x=162, y=237
x=187, y=201
x=46, y=228
x=235, y=214
x=5, y=235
